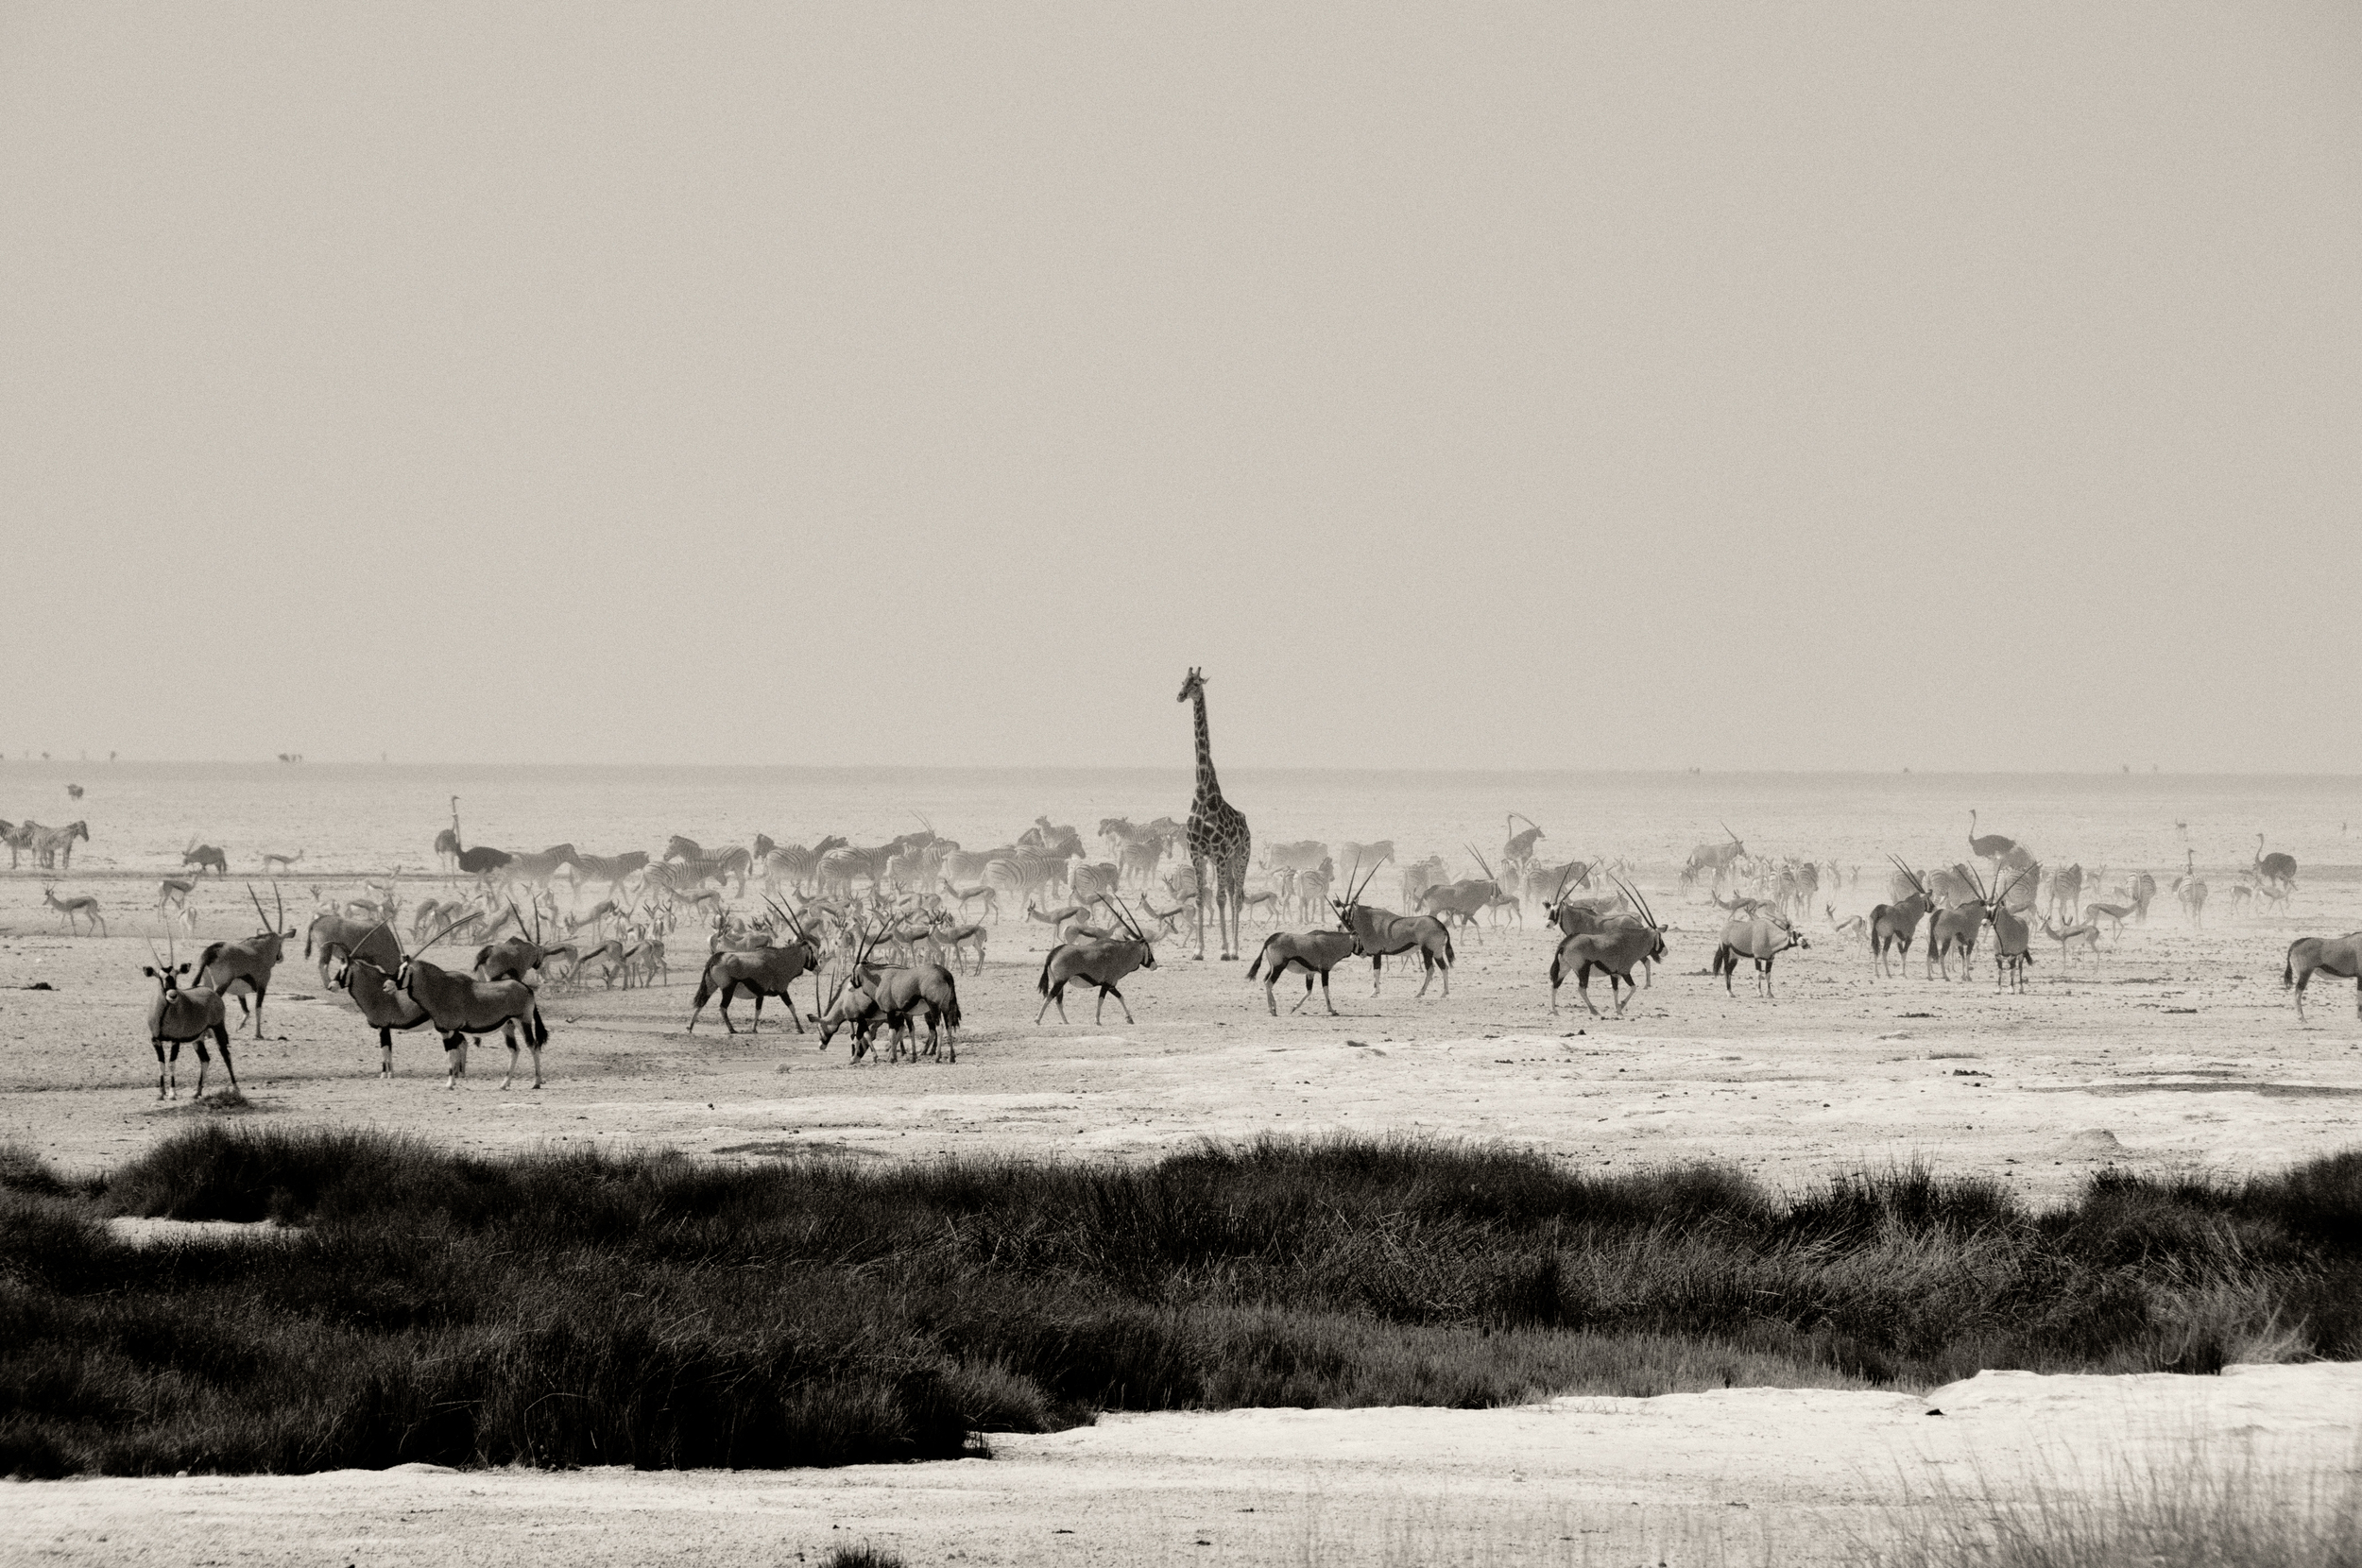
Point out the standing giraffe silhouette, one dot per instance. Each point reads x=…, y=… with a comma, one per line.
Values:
x=1217, y=833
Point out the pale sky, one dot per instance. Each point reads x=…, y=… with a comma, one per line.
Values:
x=1553, y=386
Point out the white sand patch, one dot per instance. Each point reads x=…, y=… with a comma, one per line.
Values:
x=1768, y=1475
x=160, y=1233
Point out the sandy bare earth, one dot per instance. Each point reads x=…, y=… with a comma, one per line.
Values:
x=1748, y=1474
x=2178, y=1050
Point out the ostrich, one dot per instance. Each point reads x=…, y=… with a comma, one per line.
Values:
x=2275, y=867
x=1990, y=847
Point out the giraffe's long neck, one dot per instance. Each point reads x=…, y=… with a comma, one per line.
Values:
x=1207, y=787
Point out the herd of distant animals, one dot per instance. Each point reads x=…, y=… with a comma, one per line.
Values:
x=887, y=943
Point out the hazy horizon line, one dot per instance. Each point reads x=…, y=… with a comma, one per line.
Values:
x=1242, y=770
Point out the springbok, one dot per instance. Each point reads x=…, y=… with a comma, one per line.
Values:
x=2084, y=935
x=178, y=1016
x=1852, y=929
x=242, y=969
x=1312, y=952
x=275, y=861
x=2340, y=956
x=79, y=907
x=172, y=899
x=2112, y=913
x=974, y=894
x=1379, y=934
x=1101, y=963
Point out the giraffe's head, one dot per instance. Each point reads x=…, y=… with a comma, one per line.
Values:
x=1193, y=685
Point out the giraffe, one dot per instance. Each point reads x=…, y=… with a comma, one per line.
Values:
x=1217, y=833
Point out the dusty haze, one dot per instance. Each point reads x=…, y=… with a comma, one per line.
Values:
x=1646, y=386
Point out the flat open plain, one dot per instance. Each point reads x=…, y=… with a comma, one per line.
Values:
x=2177, y=1049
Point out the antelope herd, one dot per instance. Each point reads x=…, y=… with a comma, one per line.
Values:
x=886, y=928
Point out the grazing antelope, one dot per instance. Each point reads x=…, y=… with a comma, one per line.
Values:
x=1168, y=921
x=1312, y=952
x=2340, y=956
x=1852, y=929
x=898, y=994
x=206, y=856
x=1620, y=942
x=1267, y=901
x=2112, y=913
x=274, y=861
x=948, y=937
x=2084, y=935
x=178, y=1017
x=647, y=958
x=383, y=1006
x=1379, y=934
x=1101, y=963
x=242, y=969
x=79, y=907
x=607, y=960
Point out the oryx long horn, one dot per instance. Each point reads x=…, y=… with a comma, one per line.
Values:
x=259, y=913
x=1726, y=827
x=278, y=899
x=1484, y=862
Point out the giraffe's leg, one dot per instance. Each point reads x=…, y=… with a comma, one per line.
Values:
x=1197, y=905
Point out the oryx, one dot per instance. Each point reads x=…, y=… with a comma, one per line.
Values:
x=765, y=971
x=242, y=969
x=1620, y=942
x=383, y=1005
x=460, y=1005
x=1313, y=952
x=178, y=1016
x=2340, y=956
x=1763, y=935
x=1378, y=935
x=1101, y=963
